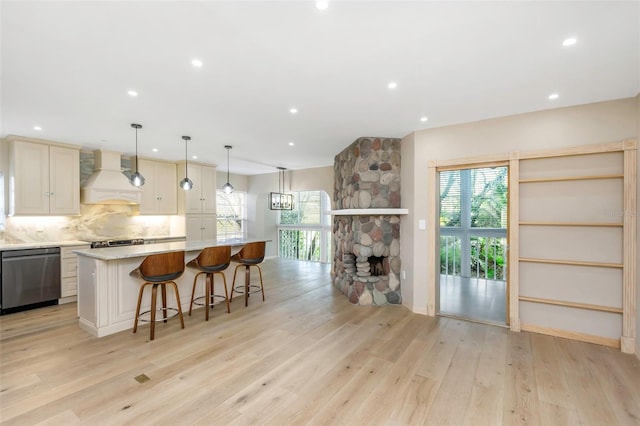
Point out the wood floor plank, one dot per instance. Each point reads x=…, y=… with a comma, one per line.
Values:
x=306, y=356
x=487, y=392
x=454, y=392
x=521, y=402
x=586, y=387
x=551, y=383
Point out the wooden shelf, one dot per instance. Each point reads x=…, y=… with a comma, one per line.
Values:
x=572, y=262
x=587, y=306
x=571, y=178
x=585, y=224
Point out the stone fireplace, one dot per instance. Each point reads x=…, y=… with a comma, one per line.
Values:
x=366, y=224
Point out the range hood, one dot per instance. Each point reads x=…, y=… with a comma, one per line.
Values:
x=107, y=184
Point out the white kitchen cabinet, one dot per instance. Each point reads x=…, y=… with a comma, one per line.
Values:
x=200, y=227
x=160, y=191
x=199, y=204
x=201, y=199
x=44, y=179
x=69, y=272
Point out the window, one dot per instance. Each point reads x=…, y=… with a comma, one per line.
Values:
x=304, y=233
x=473, y=222
x=231, y=215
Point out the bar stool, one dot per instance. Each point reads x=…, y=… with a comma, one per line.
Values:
x=210, y=261
x=159, y=270
x=251, y=254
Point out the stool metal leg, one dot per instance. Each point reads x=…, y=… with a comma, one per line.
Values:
x=193, y=291
x=135, y=321
x=226, y=293
x=233, y=285
x=154, y=296
x=163, y=287
x=207, y=296
x=175, y=287
x=247, y=280
x=261, y=283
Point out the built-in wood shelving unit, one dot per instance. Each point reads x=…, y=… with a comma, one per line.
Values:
x=572, y=262
x=574, y=224
x=570, y=178
x=586, y=306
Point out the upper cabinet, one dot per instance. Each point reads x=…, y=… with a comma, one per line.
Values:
x=44, y=179
x=159, y=193
x=202, y=197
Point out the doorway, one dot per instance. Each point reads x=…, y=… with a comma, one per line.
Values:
x=473, y=243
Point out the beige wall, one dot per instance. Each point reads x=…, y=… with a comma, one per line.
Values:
x=263, y=222
x=409, y=233
x=558, y=128
x=638, y=239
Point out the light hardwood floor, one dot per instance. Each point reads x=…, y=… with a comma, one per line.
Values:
x=307, y=356
x=474, y=298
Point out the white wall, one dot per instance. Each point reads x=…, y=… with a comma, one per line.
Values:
x=262, y=221
x=582, y=125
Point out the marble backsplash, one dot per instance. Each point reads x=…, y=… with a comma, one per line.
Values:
x=96, y=222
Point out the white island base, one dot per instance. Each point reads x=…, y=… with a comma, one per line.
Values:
x=107, y=294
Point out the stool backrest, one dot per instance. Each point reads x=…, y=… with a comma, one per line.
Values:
x=252, y=253
x=162, y=267
x=214, y=256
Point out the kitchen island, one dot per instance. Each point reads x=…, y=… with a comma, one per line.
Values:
x=107, y=294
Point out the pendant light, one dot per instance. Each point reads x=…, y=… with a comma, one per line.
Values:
x=136, y=178
x=186, y=183
x=227, y=187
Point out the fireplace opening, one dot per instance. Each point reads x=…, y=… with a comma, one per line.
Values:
x=375, y=263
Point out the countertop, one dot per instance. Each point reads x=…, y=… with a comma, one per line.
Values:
x=40, y=244
x=44, y=244
x=125, y=252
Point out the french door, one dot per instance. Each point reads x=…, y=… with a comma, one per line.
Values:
x=473, y=243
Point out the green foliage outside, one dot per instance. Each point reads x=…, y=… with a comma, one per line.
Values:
x=488, y=209
x=301, y=245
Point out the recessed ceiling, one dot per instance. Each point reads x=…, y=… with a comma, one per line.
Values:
x=67, y=67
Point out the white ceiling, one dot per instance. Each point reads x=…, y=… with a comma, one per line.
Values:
x=67, y=67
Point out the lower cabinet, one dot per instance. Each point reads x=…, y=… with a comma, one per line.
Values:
x=69, y=272
x=200, y=227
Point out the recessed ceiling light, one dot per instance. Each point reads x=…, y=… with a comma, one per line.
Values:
x=293, y=110
x=195, y=157
x=570, y=41
x=423, y=119
x=392, y=85
x=132, y=93
x=37, y=128
x=322, y=5
x=554, y=96
x=196, y=63
x=291, y=143
x=155, y=150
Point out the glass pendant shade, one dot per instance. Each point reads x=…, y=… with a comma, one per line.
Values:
x=227, y=187
x=186, y=183
x=136, y=179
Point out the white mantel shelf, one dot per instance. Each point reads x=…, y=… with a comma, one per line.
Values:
x=369, y=212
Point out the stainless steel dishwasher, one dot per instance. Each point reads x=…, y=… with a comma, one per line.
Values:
x=30, y=278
